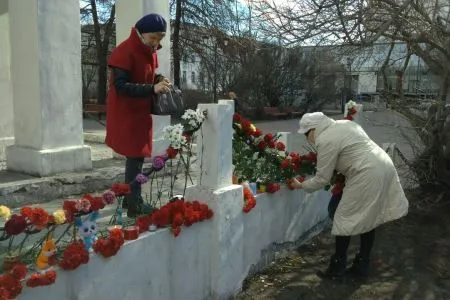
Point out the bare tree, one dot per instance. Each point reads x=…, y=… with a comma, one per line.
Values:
x=101, y=14
x=423, y=25
x=195, y=19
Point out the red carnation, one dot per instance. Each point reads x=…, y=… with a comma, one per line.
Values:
x=40, y=217
x=262, y=146
x=285, y=164
x=249, y=201
x=27, y=212
x=268, y=137
x=237, y=118
x=246, y=124
x=272, y=188
x=111, y=246
x=15, y=225
x=38, y=279
x=257, y=132
x=311, y=156
x=176, y=231
x=70, y=208
x=280, y=146
x=10, y=286
x=178, y=220
x=19, y=271
x=171, y=153
x=121, y=189
x=73, y=256
x=143, y=223
x=96, y=203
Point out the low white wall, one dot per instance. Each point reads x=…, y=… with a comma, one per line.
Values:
x=209, y=260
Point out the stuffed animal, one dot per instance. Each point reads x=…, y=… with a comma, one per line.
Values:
x=47, y=256
x=87, y=229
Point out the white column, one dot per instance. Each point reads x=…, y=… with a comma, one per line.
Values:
x=6, y=102
x=215, y=162
x=46, y=80
x=226, y=200
x=128, y=12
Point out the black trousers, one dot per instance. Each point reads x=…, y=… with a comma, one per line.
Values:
x=367, y=240
x=133, y=167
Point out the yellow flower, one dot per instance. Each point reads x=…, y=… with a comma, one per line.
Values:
x=5, y=212
x=59, y=216
x=253, y=128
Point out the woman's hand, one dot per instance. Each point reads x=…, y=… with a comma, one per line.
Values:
x=294, y=184
x=162, y=87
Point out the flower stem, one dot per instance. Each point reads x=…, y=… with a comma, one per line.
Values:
x=11, y=240
x=22, y=243
x=63, y=234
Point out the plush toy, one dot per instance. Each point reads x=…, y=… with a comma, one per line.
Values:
x=87, y=229
x=47, y=256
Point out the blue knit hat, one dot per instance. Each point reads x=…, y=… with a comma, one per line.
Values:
x=151, y=23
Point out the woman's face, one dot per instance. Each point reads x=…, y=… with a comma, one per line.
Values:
x=310, y=136
x=152, y=39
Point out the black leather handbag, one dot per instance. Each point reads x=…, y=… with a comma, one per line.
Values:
x=169, y=103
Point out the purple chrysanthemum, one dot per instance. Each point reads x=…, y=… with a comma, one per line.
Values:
x=141, y=178
x=158, y=163
x=109, y=197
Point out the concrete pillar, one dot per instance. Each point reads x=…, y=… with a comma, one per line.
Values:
x=6, y=102
x=46, y=80
x=226, y=200
x=215, y=162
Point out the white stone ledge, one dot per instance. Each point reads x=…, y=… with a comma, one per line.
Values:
x=4, y=143
x=209, y=260
x=50, y=161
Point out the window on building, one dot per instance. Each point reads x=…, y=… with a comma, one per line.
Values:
x=193, y=77
x=183, y=79
x=202, y=79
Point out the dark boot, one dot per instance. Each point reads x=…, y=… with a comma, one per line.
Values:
x=360, y=267
x=137, y=208
x=336, y=269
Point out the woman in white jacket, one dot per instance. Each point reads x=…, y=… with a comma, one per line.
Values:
x=372, y=195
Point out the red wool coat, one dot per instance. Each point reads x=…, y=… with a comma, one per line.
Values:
x=128, y=120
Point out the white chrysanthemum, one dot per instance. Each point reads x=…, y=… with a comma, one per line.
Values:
x=174, y=134
x=193, y=118
x=351, y=104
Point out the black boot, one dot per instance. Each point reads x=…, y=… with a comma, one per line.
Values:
x=336, y=269
x=137, y=208
x=360, y=267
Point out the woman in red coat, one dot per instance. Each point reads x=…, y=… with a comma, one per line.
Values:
x=132, y=85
